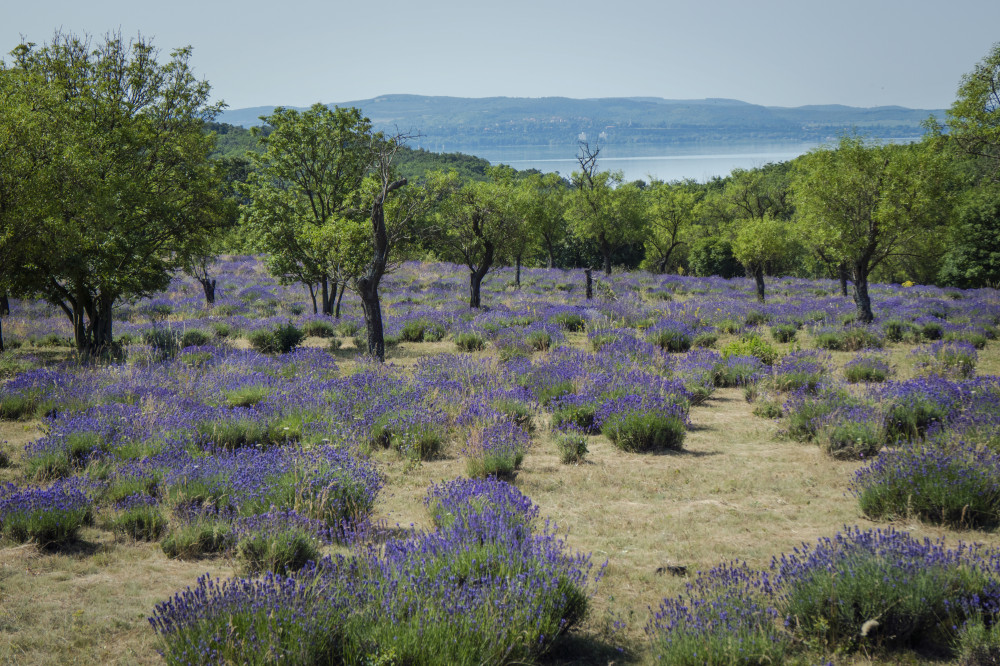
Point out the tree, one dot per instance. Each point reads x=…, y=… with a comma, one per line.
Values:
x=474, y=222
x=602, y=210
x=545, y=210
x=974, y=117
x=389, y=226
x=671, y=210
x=759, y=242
x=863, y=201
x=113, y=155
x=306, y=179
x=973, y=259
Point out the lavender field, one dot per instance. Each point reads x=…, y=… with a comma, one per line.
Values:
x=670, y=472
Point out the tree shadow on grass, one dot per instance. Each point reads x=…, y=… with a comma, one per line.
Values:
x=579, y=648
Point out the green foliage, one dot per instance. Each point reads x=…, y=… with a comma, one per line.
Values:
x=713, y=256
x=572, y=448
x=973, y=256
x=784, y=332
x=281, y=340
x=852, y=440
x=141, y=523
x=47, y=527
x=318, y=328
x=194, y=338
x=752, y=345
x=974, y=118
x=579, y=415
x=470, y=342
x=645, y=431
x=192, y=540
x=133, y=188
x=282, y=553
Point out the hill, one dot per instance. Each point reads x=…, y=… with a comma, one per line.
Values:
x=453, y=123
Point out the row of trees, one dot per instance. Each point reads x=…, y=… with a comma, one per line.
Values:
x=108, y=186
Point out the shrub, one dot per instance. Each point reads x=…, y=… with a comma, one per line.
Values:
x=729, y=326
x=752, y=345
x=725, y=618
x=50, y=516
x=281, y=552
x=672, y=337
x=221, y=329
x=572, y=447
x=738, y=370
x=318, y=328
x=800, y=371
x=495, y=449
x=867, y=368
x=978, y=643
x=470, y=342
x=164, y=341
x=539, y=340
x=281, y=340
x=855, y=434
x=139, y=519
x=194, y=338
x=705, y=339
x=956, y=360
x=485, y=588
x=575, y=412
x=916, y=591
x=643, y=423
x=768, y=409
x=197, y=538
x=784, y=332
x=896, y=330
x=519, y=412
x=756, y=318
x=954, y=485
x=569, y=321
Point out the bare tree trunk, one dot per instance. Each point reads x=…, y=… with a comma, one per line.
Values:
x=1, y=333
x=607, y=263
x=861, y=297
x=589, y=273
x=4, y=304
x=336, y=311
x=209, y=287
x=552, y=257
x=373, y=320
x=758, y=276
x=325, y=291
x=842, y=274
x=312, y=295
x=517, y=272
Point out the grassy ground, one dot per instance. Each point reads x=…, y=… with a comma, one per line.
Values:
x=737, y=491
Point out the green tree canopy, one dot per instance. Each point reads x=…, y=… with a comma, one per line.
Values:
x=672, y=209
x=110, y=156
x=974, y=118
x=863, y=202
x=303, y=188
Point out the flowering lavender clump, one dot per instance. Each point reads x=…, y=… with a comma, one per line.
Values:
x=495, y=449
x=954, y=359
x=738, y=370
x=50, y=516
x=726, y=617
x=280, y=540
x=643, y=422
x=800, y=370
x=470, y=504
x=915, y=591
x=867, y=367
x=485, y=588
x=853, y=432
x=919, y=406
x=955, y=485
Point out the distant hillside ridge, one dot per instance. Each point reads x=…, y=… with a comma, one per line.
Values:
x=445, y=123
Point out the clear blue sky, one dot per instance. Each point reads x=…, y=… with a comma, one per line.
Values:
x=296, y=52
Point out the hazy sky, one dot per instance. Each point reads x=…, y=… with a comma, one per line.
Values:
x=297, y=52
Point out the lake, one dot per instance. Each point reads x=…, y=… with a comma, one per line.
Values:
x=700, y=162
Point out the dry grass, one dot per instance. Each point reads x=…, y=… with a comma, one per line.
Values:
x=737, y=491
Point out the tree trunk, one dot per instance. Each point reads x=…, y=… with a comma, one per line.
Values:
x=607, y=263
x=861, y=297
x=517, y=272
x=589, y=272
x=758, y=276
x=475, y=286
x=336, y=310
x=312, y=295
x=209, y=287
x=95, y=337
x=4, y=305
x=552, y=257
x=842, y=274
x=325, y=291
x=373, y=320
x=1, y=334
